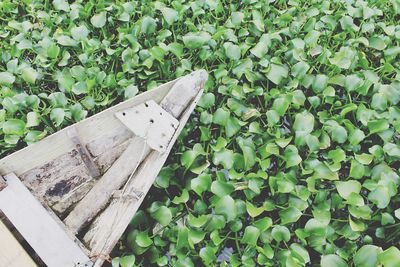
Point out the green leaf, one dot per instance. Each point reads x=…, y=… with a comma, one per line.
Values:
x=182, y=198
x=221, y=117
x=224, y=157
x=148, y=25
x=163, y=215
x=253, y=211
x=380, y=197
x=6, y=78
x=390, y=257
x=57, y=116
x=14, y=127
x=207, y=100
x=346, y=188
x=300, y=253
x=99, y=20
x=33, y=119
x=300, y=69
x=195, y=40
x=29, y=75
x=320, y=83
x=277, y=73
x=232, y=51
x=80, y=33
x=261, y=48
x=66, y=41
x=367, y=256
x=291, y=156
x=392, y=150
x=130, y=91
x=237, y=18
x=251, y=235
x=344, y=58
x=207, y=254
x=170, y=15
x=377, y=126
x=332, y=260
x=290, y=215
x=221, y=188
x=127, y=261
x=201, y=183
x=61, y=5
x=143, y=240
x=197, y=221
x=280, y=233
x=377, y=43
x=243, y=66
x=226, y=206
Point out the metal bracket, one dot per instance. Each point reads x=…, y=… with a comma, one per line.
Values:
x=83, y=152
x=3, y=183
x=151, y=122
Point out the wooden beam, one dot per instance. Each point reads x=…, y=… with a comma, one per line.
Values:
x=12, y=254
x=83, y=152
x=112, y=222
x=43, y=233
x=97, y=198
x=176, y=101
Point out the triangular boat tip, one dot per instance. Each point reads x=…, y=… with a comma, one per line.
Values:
x=201, y=75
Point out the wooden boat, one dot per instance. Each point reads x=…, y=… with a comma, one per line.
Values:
x=69, y=197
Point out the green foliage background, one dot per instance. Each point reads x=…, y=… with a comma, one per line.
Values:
x=292, y=156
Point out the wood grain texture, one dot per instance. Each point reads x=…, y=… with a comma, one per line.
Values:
x=97, y=198
x=83, y=152
x=105, y=160
x=102, y=145
x=39, y=228
x=182, y=92
x=112, y=222
x=12, y=254
x=61, y=180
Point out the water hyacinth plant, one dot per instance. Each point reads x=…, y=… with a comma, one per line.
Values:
x=292, y=156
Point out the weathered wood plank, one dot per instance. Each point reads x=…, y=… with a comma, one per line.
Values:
x=102, y=145
x=182, y=92
x=97, y=198
x=105, y=160
x=12, y=254
x=59, y=180
x=83, y=152
x=44, y=234
x=112, y=222
x=62, y=206
x=92, y=128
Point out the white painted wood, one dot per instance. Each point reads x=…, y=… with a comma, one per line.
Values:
x=108, y=227
x=184, y=91
x=12, y=254
x=38, y=227
x=150, y=122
